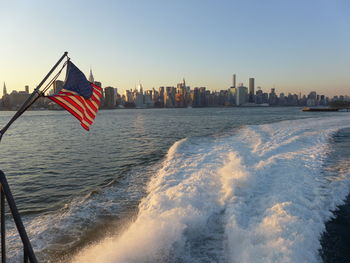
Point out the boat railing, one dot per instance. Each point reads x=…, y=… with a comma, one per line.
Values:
x=28, y=253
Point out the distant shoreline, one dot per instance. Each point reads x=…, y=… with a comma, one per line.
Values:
x=270, y=106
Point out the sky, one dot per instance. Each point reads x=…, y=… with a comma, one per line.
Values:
x=294, y=46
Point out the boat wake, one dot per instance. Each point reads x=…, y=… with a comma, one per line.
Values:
x=260, y=195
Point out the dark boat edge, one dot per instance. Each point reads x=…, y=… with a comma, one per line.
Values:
x=324, y=109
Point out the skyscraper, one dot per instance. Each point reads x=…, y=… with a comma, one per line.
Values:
x=181, y=93
x=196, y=97
x=232, y=95
x=4, y=92
x=169, y=97
x=91, y=77
x=241, y=95
x=97, y=83
x=109, y=97
x=161, y=96
x=140, y=88
x=251, y=89
x=273, y=97
x=259, y=96
x=234, y=80
x=57, y=86
x=26, y=87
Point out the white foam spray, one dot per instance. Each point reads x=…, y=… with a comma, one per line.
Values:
x=258, y=196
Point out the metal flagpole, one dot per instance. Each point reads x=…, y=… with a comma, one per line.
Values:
x=27, y=247
x=5, y=190
x=31, y=98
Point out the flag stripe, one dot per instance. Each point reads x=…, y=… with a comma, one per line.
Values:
x=92, y=106
x=96, y=98
x=89, y=104
x=94, y=103
x=88, y=109
x=72, y=108
x=76, y=107
x=63, y=104
x=98, y=92
x=82, y=106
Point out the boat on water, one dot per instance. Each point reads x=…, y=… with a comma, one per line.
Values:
x=319, y=109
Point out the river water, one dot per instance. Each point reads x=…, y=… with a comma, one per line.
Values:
x=181, y=185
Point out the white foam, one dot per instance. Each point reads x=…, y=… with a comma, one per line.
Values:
x=58, y=231
x=258, y=196
x=181, y=195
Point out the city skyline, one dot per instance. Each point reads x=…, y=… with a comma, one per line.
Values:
x=235, y=82
x=293, y=47
x=181, y=96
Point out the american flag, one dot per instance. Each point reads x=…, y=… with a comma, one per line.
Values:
x=79, y=96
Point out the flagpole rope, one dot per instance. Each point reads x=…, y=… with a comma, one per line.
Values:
x=30, y=99
x=54, y=78
x=42, y=93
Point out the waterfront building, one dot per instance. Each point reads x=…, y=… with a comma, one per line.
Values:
x=138, y=99
x=232, y=95
x=282, y=99
x=115, y=94
x=188, y=96
x=91, y=77
x=232, y=92
x=196, y=97
x=148, y=101
x=119, y=100
x=292, y=100
x=16, y=99
x=265, y=98
x=203, y=97
x=109, y=101
x=169, y=97
x=181, y=96
x=259, y=96
x=310, y=102
x=302, y=101
x=4, y=91
x=273, y=97
x=138, y=96
x=179, y=100
x=251, y=90
x=129, y=96
x=312, y=99
x=224, y=98
x=161, y=99
x=140, y=88
x=241, y=95
x=57, y=86
x=5, y=101
x=155, y=96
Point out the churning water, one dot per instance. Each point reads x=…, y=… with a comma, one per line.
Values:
x=186, y=185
